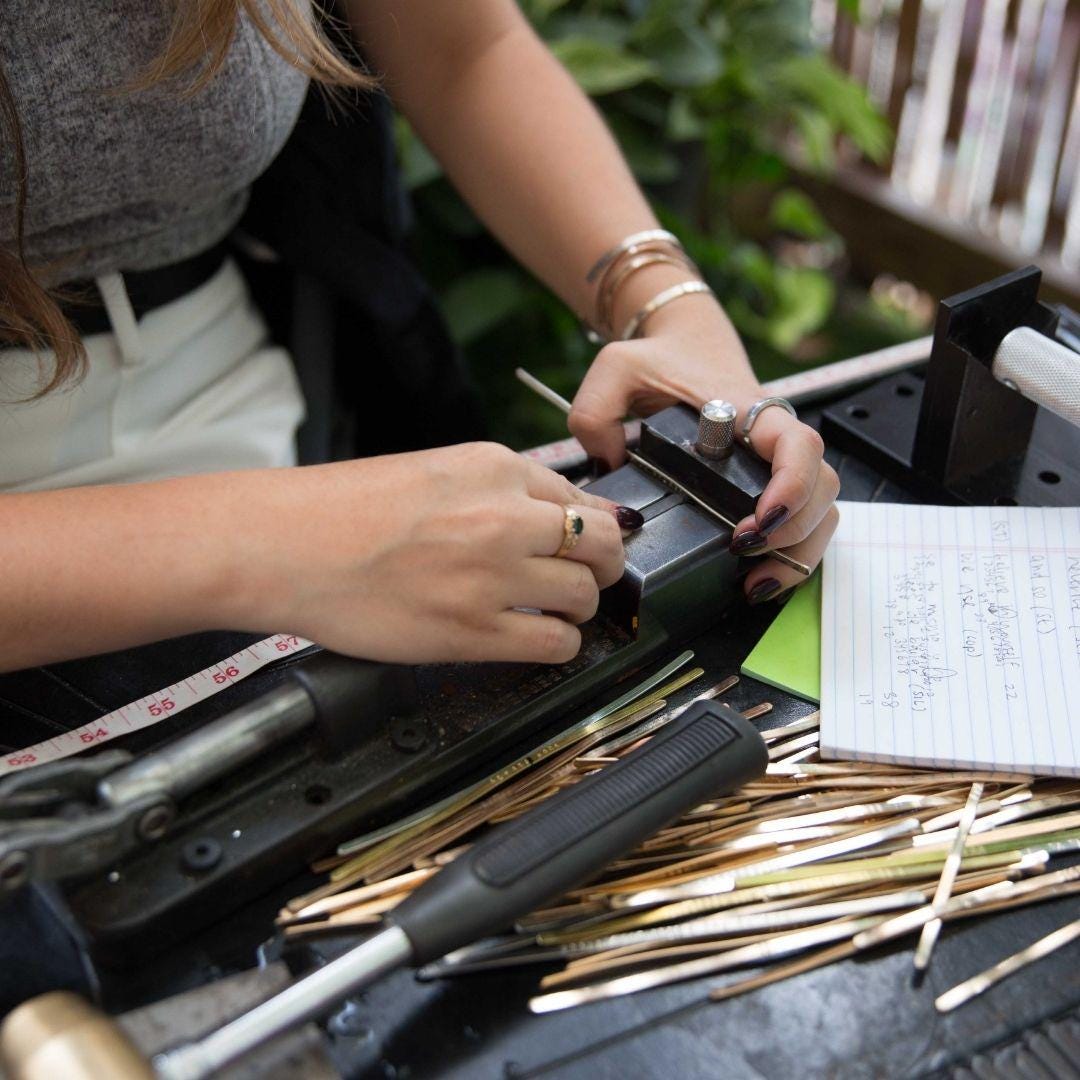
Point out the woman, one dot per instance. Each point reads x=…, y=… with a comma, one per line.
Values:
x=139, y=497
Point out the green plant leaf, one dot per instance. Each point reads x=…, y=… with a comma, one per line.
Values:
x=794, y=211
x=477, y=302
x=804, y=298
x=813, y=80
x=683, y=123
x=649, y=159
x=685, y=55
x=606, y=29
x=539, y=10
x=600, y=68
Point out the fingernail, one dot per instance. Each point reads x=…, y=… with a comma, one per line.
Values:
x=773, y=520
x=629, y=518
x=750, y=542
x=598, y=466
x=764, y=590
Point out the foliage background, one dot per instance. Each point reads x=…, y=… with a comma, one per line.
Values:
x=708, y=99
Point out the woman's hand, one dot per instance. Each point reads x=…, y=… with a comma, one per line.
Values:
x=692, y=354
x=427, y=556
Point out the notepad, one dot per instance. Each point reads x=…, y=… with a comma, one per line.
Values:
x=788, y=656
x=951, y=637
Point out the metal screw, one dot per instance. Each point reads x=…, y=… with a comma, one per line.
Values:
x=716, y=429
x=14, y=869
x=408, y=733
x=201, y=854
x=154, y=822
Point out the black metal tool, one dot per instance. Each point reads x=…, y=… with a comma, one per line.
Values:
x=69, y=818
x=519, y=866
x=992, y=420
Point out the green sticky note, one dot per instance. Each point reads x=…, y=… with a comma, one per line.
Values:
x=789, y=655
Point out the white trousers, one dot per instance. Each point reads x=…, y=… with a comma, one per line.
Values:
x=192, y=387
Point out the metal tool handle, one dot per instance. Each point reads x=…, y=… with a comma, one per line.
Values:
x=1042, y=369
x=708, y=750
x=527, y=862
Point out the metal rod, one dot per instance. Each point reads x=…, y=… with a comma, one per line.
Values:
x=550, y=396
x=304, y=1000
x=214, y=750
x=928, y=937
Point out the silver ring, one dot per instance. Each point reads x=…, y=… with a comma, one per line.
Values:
x=756, y=410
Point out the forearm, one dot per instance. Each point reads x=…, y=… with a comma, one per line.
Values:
x=524, y=146
x=90, y=570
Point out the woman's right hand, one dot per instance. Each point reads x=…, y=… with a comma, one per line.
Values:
x=425, y=556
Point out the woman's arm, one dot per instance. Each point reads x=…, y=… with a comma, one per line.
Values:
x=407, y=558
x=528, y=151
x=519, y=139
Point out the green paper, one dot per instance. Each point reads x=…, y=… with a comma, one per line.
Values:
x=789, y=654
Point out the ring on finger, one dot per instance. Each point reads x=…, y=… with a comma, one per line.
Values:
x=573, y=527
x=758, y=408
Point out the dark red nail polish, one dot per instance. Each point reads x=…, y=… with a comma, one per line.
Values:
x=750, y=542
x=773, y=520
x=764, y=590
x=628, y=517
x=598, y=466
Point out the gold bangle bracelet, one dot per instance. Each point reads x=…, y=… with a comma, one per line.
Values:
x=662, y=299
x=624, y=245
x=626, y=269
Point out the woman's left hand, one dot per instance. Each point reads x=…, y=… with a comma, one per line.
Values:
x=694, y=356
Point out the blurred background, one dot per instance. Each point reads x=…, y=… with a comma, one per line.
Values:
x=833, y=166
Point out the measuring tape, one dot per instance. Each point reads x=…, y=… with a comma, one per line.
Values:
x=156, y=707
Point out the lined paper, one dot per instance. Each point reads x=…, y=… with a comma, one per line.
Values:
x=951, y=637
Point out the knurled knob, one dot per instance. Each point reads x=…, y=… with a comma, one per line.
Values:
x=716, y=429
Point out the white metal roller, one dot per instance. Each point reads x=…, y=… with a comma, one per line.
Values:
x=1043, y=370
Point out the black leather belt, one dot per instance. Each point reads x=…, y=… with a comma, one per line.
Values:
x=147, y=289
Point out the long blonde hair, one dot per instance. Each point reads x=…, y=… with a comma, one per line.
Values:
x=199, y=39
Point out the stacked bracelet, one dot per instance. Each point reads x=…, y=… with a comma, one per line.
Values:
x=626, y=268
x=662, y=299
x=651, y=247
x=624, y=246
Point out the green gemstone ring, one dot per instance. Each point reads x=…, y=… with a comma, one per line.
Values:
x=573, y=526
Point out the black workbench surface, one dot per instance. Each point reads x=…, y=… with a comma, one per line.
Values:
x=862, y=1017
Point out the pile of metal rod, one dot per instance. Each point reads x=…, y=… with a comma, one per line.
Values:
x=810, y=864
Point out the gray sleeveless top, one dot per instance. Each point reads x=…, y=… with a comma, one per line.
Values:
x=131, y=181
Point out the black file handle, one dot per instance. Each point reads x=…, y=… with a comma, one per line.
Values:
x=523, y=864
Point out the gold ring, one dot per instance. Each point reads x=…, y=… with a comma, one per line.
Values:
x=573, y=526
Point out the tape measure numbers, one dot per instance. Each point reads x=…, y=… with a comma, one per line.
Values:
x=156, y=707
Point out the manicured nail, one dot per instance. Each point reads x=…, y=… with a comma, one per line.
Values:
x=598, y=466
x=750, y=542
x=629, y=518
x=764, y=590
x=773, y=520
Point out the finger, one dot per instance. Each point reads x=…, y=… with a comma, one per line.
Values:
x=599, y=544
x=560, y=586
x=799, y=527
x=521, y=636
x=795, y=451
x=781, y=532
x=545, y=484
x=770, y=578
x=600, y=404
x=796, y=455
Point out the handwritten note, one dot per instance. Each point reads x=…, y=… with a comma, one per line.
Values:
x=951, y=637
